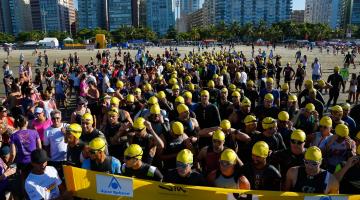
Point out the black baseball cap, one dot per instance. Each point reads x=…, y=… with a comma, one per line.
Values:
x=3, y=109
x=82, y=100
x=5, y=150
x=39, y=156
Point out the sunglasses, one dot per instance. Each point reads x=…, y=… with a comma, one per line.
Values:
x=93, y=152
x=225, y=163
x=297, y=142
x=54, y=118
x=132, y=157
x=182, y=165
x=311, y=163
x=137, y=130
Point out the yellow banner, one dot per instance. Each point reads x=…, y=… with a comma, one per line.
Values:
x=95, y=185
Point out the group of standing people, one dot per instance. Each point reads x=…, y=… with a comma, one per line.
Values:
x=217, y=119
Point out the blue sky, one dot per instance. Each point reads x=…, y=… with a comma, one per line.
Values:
x=297, y=4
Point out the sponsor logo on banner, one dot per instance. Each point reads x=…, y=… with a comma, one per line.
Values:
x=325, y=198
x=113, y=186
x=172, y=189
x=239, y=196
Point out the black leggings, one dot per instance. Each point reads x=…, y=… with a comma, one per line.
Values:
x=333, y=94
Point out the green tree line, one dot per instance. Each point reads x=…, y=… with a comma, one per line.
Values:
x=223, y=32
x=275, y=33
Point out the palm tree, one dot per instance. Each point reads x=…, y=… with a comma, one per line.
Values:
x=274, y=34
x=194, y=34
x=182, y=36
x=171, y=33
x=207, y=32
x=338, y=33
x=6, y=38
x=149, y=34
x=320, y=31
x=289, y=29
x=356, y=31
x=221, y=31
x=234, y=30
x=260, y=29
x=247, y=32
x=304, y=31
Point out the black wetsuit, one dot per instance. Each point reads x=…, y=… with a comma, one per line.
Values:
x=195, y=178
x=146, y=172
x=306, y=184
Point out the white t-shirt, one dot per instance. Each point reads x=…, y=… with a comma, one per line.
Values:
x=243, y=78
x=105, y=83
x=160, y=69
x=55, y=138
x=316, y=69
x=91, y=78
x=45, y=186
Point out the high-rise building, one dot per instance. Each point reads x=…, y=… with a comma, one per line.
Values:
x=71, y=22
x=269, y=11
x=325, y=11
x=160, y=15
x=135, y=7
x=189, y=6
x=196, y=19
x=209, y=12
x=75, y=25
x=92, y=14
x=247, y=11
x=309, y=11
x=184, y=9
x=142, y=15
x=355, y=12
x=111, y=14
x=15, y=16
x=5, y=17
x=221, y=7
x=119, y=13
x=297, y=16
x=56, y=15
x=2, y=28
x=36, y=14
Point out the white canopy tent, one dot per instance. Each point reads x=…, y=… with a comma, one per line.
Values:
x=68, y=39
x=30, y=43
x=49, y=42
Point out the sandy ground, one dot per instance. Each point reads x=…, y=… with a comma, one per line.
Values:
x=328, y=61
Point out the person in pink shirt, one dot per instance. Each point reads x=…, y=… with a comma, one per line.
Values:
x=41, y=122
x=83, y=86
